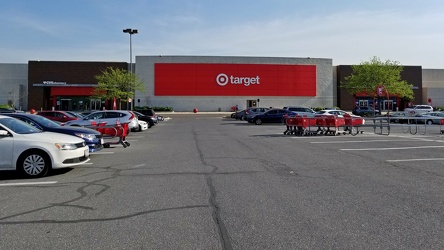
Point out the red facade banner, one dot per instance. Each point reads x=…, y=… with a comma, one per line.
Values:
x=205, y=79
x=71, y=91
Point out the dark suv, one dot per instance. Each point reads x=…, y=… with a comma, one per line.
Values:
x=365, y=111
x=301, y=110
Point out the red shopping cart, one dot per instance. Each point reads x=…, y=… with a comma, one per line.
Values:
x=117, y=130
x=352, y=124
x=299, y=125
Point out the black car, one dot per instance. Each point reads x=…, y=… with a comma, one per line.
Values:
x=365, y=111
x=151, y=120
x=93, y=138
x=7, y=110
x=271, y=116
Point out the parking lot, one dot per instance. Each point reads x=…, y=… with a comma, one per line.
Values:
x=206, y=181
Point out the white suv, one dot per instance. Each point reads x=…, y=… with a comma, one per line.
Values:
x=108, y=116
x=418, y=109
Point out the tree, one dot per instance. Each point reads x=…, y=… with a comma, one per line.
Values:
x=117, y=83
x=367, y=76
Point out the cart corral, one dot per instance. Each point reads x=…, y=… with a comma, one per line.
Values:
x=323, y=125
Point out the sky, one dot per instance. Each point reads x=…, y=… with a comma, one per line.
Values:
x=347, y=31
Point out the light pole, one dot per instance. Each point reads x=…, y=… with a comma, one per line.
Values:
x=130, y=32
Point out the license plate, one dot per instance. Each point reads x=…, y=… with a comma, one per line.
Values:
x=87, y=152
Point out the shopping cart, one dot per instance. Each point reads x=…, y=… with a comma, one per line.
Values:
x=118, y=130
x=299, y=125
x=333, y=125
x=352, y=124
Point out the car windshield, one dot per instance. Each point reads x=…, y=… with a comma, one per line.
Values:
x=45, y=122
x=18, y=126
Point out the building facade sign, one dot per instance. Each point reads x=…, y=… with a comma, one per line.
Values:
x=208, y=79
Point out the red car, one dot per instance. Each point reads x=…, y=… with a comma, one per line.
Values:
x=58, y=116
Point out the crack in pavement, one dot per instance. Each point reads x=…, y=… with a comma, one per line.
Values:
x=223, y=232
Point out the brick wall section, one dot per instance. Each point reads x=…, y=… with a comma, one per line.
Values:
x=411, y=74
x=59, y=71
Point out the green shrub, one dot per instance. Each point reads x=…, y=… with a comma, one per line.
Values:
x=5, y=106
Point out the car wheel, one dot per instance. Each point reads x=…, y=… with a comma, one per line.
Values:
x=233, y=115
x=429, y=122
x=258, y=122
x=34, y=164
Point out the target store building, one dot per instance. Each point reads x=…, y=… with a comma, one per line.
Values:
x=220, y=83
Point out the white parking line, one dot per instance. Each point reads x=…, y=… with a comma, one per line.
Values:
x=28, y=183
x=326, y=142
x=426, y=159
x=401, y=148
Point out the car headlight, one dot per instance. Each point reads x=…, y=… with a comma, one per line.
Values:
x=66, y=146
x=85, y=136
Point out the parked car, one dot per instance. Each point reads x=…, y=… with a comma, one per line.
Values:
x=7, y=110
x=301, y=110
x=143, y=125
x=150, y=120
x=430, y=118
x=149, y=112
x=337, y=112
x=56, y=115
x=250, y=112
x=92, y=137
x=85, y=113
x=34, y=152
x=238, y=115
x=398, y=117
x=418, y=109
x=365, y=111
x=354, y=120
x=110, y=117
x=270, y=116
x=76, y=114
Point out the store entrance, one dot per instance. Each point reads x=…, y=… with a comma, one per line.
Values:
x=65, y=104
x=386, y=105
x=95, y=104
x=251, y=103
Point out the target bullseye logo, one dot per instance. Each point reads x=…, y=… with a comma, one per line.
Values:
x=222, y=79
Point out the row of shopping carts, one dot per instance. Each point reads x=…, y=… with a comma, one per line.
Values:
x=112, y=133
x=323, y=125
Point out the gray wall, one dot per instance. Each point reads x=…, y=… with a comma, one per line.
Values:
x=326, y=88
x=433, y=86
x=14, y=85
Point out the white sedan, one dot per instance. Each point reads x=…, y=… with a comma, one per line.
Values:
x=33, y=152
x=143, y=125
x=353, y=120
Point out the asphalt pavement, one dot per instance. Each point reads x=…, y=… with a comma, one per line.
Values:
x=206, y=181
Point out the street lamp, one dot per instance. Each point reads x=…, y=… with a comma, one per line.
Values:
x=130, y=32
